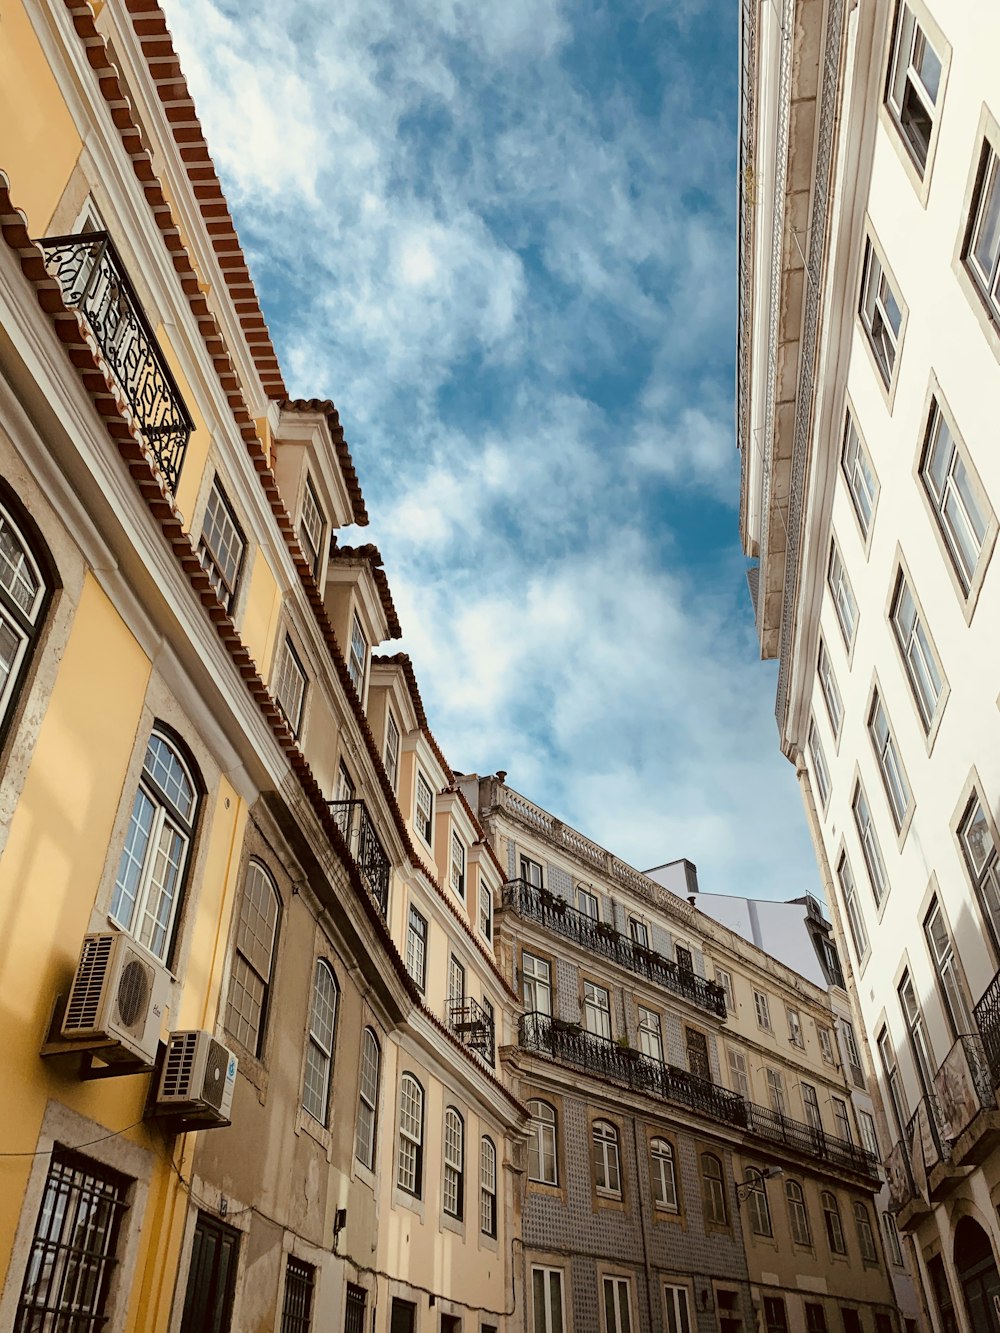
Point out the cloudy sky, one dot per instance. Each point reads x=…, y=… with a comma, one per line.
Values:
x=501, y=237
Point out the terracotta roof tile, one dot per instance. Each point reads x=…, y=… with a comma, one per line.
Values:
x=325, y=405
x=370, y=553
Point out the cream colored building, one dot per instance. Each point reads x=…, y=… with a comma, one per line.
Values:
x=869, y=342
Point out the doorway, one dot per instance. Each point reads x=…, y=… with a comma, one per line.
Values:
x=976, y=1269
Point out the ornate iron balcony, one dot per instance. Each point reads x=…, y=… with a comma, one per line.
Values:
x=963, y=1086
x=600, y=938
x=473, y=1025
x=370, y=856
x=763, y=1123
x=93, y=281
x=987, y=1013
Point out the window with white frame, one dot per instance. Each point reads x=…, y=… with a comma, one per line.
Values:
x=650, y=1036
x=425, y=809
x=531, y=872
x=739, y=1079
x=794, y=1027
x=946, y=968
x=371, y=1064
x=762, y=1009
x=416, y=947
x=23, y=594
x=725, y=980
x=596, y=1010
x=834, y=1226
x=319, y=1046
x=587, y=904
x=920, y=659
x=639, y=932
x=485, y=908
x=810, y=1106
x=859, y=473
x=312, y=525
x=842, y=1118
x=892, y=1240
x=253, y=958
x=664, y=1174
x=487, y=1187
x=842, y=594
x=490, y=1019
x=897, y=789
x=982, y=248
x=147, y=891
x=617, y=1305
x=542, y=1158
x=410, y=1154
x=881, y=312
x=454, y=1163
x=825, y=1044
x=913, y=86
x=960, y=506
x=866, y=1239
x=391, y=750
x=297, y=1299
x=290, y=685
x=357, y=664
x=536, y=984
x=547, y=1300
x=917, y=1031
x=893, y=1081
x=775, y=1089
x=866, y=1129
x=755, y=1190
x=979, y=849
x=456, y=983
x=677, y=1304
x=607, y=1168
x=457, y=866
x=869, y=844
x=828, y=684
x=221, y=545
x=820, y=770
x=854, y=1065
x=713, y=1190
x=798, y=1218
x=855, y=917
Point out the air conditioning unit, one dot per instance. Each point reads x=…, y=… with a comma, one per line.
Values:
x=197, y=1078
x=118, y=996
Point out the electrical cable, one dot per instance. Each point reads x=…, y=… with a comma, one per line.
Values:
x=74, y=1147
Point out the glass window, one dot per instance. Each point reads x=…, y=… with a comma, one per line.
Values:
x=542, y=1144
x=664, y=1175
x=456, y=983
x=920, y=659
x=757, y=1206
x=587, y=904
x=853, y=1054
x=650, y=1036
x=639, y=932
x=487, y=1187
x=725, y=980
x=794, y=1027
x=354, y=1310
x=860, y=475
x=221, y=546
x=607, y=1171
x=596, y=1010
x=290, y=685
x=775, y=1090
x=843, y=595
x=849, y=893
x=485, y=908
x=893, y=1082
x=762, y=1010
x=536, y=984
x=842, y=1118
x=810, y=1105
x=982, y=252
x=457, y=866
x=962, y=511
x=881, y=312
x=697, y=1053
x=617, y=1305
x=815, y=1318
x=866, y=1239
x=946, y=967
x=425, y=809
x=869, y=1139
x=319, y=1049
x=869, y=844
x=22, y=599
x=371, y=1063
x=774, y=1315
x=976, y=837
x=357, y=664
x=391, y=750
x=713, y=1190
x=409, y=1161
x=297, y=1303
x=916, y=1030
x=147, y=888
x=738, y=1077
x=825, y=1044
x=677, y=1305
x=416, y=947
x=311, y=527
x=892, y=1240
x=531, y=872
x=828, y=684
x=914, y=83
x=897, y=788
x=547, y=1300
x=834, y=1228
x=250, y=976
x=454, y=1163
x=821, y=772
x=798, y=1218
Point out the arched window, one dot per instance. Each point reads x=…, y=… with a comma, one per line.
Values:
x=319, y=1048
x=253, y=959
x=760, y=1213
x=23, y=593
x=487, y=1187
x=664, y=1174
x=834, y=1229
x=371, y=1060
x=797, y=1216
x=454, y=1163
x=713, y=1190
x=866, y=1239
x=607, y=1168
x=150, y=877
x=542, y=1144
x=410, y=1158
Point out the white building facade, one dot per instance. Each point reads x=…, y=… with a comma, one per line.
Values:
x=869, y=370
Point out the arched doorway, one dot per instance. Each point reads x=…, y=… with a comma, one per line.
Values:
x=977, y=1273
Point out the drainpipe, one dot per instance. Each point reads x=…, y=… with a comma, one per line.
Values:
x=650, y=1292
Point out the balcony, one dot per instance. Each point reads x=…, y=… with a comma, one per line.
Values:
x=964, y=1089
x=763, y=1123
x=355, y=823
x=598, y=937
x=473, y=1025
x=987, y=1015
x=94, y=282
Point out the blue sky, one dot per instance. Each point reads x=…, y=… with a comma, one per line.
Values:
x=501, y=238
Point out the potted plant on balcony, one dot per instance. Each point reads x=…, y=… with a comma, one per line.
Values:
x=606, y=930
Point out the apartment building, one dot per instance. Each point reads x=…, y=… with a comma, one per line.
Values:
x=869, y=339
x=694, y=1159
x=251, y=1007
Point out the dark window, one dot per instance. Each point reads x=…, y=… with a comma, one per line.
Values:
x=208, y=1303
x=774, y=1315
x=253, y=959
x=684, y=959
x=74, y=1248
x=697, y=1053
x=450, y=1323
x=883, y=1324
x=851, y=1318
x=404, y=1316
x=221, y=546
x=296, y=1309
x=942, y=1294
x=23, y=598
x=815, y=1319
x=354, y=1309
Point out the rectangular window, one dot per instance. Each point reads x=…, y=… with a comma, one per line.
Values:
x=547, y=1300
x=825, y=1044
x=696, y=1044
x=842, y=1118
x=639, y=932
x=391, y=750
x=485, y=908
x=456, y=982
x=946, y=967
x=976, y=836
x=738, y=1077
x=457, y=866
x=815, y=1318
x=890, y=1069
x=354, y=1309
x=828, y=684
x=490, y=1018
x=880, y=311
x=982, y=250
x=775, y=1090
x=587, y=904
x=810, y=1104
x=425, y=809
x=357, y=666
x=676, y=1301
x=774, y=1315
x=596, y=1010
x=531, y=872
x=74, y=1250
x=403, y=1316
x=685, y=960
x=843, y=595
x=913, y=86
x=821, y=773
x=892, y=1240
x=866, y=1128
x=725, y=980
x=290, y=685
x=860, y=476
x=961, y=509
x=920, y=659
x=913, y=1015
x=311, y=528
x=536, y=984
x=487, y=1188
x=853, y=1054
x=762, y=1010
x=794, y=1028
x=617, y=1305
x=650, y=1036
x=221, y=546
x=296, y=1308
x=869, y=844
x=897, y=789
x=855, y=919
x=416, y=948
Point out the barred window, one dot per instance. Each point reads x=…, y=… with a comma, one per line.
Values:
x=250, y=976
x=319, y=1048
x=371, y=1060
x=221, y=546
x=409, y=1163
x=296, y=1308
x=487, y=1187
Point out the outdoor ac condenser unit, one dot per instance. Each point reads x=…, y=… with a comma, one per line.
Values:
x=118, y=996
x=197, y=1078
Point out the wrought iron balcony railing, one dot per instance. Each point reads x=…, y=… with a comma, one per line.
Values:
x=987, y=1013
x=370, y=856
x=963, y=1086
x=94, y=281
x=763, y=1123
x=473, y=1025
x=600, y=938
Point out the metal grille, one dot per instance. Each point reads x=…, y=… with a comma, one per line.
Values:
x=93, y=279
x=296, y=1309
x=73, y=1251
x=355, y=822
x=473, y=1025
x=987, y=1014
x=88, y=984
x=354, y=1310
